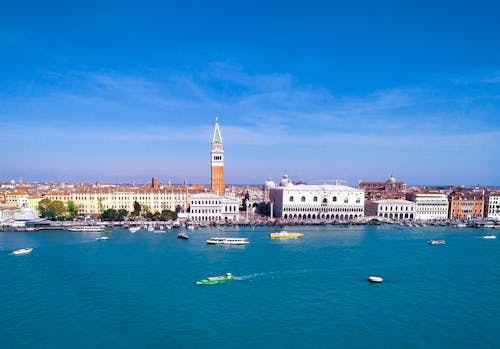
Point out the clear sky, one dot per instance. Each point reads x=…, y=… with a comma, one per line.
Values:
x=126, y=90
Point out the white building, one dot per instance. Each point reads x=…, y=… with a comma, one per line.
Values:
x=430, y=206
x=392, y=208
x=494, y=206
x=316, y=202
x=207, y=208
x=7, y=214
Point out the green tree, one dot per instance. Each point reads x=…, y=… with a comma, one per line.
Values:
x=121, y=214
x=109, y=215
x=72, y=210
x=137, y=209
x=168, y=215
x=43, y=207
x=57, y=210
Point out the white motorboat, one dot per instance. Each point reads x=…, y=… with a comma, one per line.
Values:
x=87, y=228
x=157, y=231
x=490, y=236
x=228, y=241
x=22, y=251
x=151, y=228
x=102, y=238
x=436, y=242
x=134, y=230
x=375, y=279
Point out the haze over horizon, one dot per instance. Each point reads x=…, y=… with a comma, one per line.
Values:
x=122, y=92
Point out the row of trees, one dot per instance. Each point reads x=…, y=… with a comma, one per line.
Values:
x=57, y=210
x=119, y=215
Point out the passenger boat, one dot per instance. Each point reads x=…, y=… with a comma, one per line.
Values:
x=182, y=236
x=285, y=235
x=102, y=238
x=490, y=236
x=436, y=242
x=375, y=279
x=87, y=228
x=216, y=279
x=22, y=251
x=228, y=241
x=134, y=229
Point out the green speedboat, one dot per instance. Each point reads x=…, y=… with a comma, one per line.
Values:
x=216, y=279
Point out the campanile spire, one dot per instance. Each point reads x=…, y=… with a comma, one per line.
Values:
x=217, y=162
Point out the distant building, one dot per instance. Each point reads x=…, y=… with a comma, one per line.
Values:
x=154, y=183
x=12, y=198
x=430, y=205
x=7, y=214
x=494, y=206
x=390, y=186
x=211, y=208
x=315, y=202
x=217, y=162
x=396, y=209
x=466, y=205
x=94, y=201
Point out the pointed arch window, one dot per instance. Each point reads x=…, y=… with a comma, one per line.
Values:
x=303, y=199
x=291, y=198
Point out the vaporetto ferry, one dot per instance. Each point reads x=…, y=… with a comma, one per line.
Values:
x=228, y=241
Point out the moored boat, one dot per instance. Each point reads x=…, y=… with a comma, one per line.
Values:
x=285, y=235
x=134, y=229
x=490, y=236
x=87, y=228
x=22, y=251
x=375, y=279
x=436, y=242
x=215, y=279
x=183, y=236
x=227, y=241
x=102, y=238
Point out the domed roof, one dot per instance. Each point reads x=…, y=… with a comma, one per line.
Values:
x=285, y=181
x=269, y=184
x=392, y=179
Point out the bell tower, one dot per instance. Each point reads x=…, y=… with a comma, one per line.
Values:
x=217, y=162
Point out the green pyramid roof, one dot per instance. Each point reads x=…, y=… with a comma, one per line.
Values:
x=217, y=136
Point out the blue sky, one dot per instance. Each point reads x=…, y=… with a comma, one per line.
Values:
x=123, y=91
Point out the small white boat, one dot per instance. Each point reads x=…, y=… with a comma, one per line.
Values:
x=489, y=236
x=134, y=230
x=159, y=231
x=228, y=241
x=436, y=242
x=102, y=238
x=22, y=251
x=375, y=279
x=151, y=228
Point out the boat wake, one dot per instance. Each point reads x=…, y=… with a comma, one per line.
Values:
x=253, y=276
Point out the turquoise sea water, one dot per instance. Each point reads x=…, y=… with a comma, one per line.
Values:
x=139, y=290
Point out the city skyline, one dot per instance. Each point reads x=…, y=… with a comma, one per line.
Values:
x=322, y=91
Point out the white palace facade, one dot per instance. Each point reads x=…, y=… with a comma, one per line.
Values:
x=316, y=202
x=208, y=207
